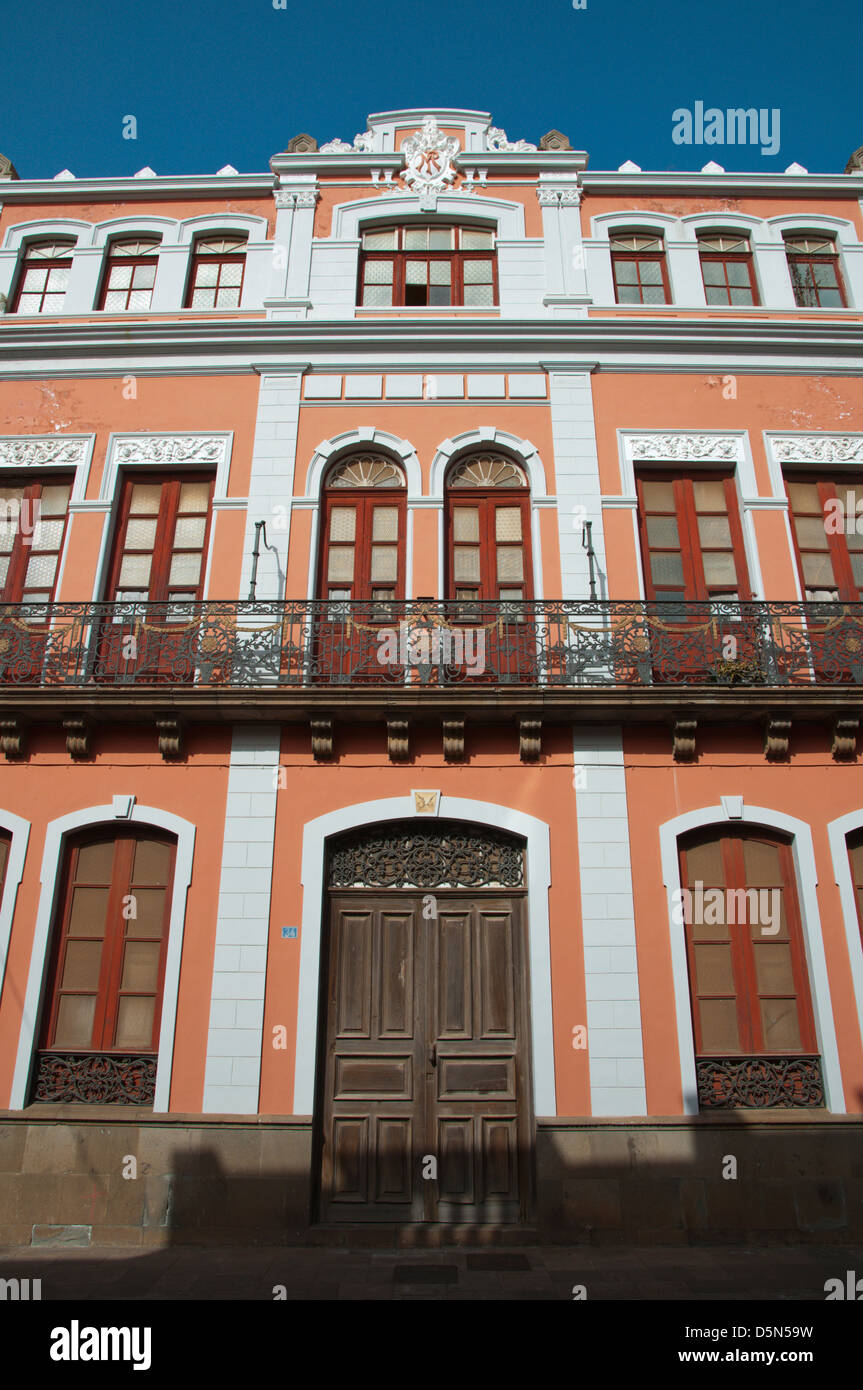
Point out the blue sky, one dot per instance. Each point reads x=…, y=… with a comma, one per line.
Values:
x=230, y=81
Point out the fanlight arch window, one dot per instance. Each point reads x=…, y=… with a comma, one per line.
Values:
x=130, y=273
x=488, y=551
x=753, y=1023
x=364, y=528
x=43, y=277
x=100, y=1025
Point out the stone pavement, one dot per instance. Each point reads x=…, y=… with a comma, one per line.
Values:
x=529, y=1272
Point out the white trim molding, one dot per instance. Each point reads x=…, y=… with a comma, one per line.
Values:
x=19, y=830
x=202, y=449
x=50, y=451
x=837, y=832
x=536, y=836
x=349, y=219
x=55, y=836
x=759, y=817
x=367, y=436
x=809, y=447
x=525, y=453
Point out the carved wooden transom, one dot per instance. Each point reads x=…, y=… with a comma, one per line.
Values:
x=487, y=470
x=366, y=470
x=443, y=855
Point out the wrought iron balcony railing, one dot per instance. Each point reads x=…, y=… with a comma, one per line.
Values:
x=438, y=644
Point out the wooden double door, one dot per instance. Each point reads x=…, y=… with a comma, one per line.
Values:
x=424, y=1083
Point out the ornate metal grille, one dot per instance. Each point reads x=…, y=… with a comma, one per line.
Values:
x=439, y=856
x=757, y=1083
x=99, y=1078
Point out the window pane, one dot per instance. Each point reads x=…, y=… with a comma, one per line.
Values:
x=141, y=965
x=146, y=498
x=380, y=241
x=477, y=272
x=628, y=294
x=416, y=238
x=510, y=563
x=47, y=534
x=120, y=277
x=377, y=296
x=781, y=1026
x=194, y=497
x=719, y=569
x=95, y=863
x=713, y=972
x=152, y=862
x=714, y=531
x=658, y=497
x=466, y=564
x=761, y=864
x=465, y=524
x=652, y=294
x=135, y=1022
x=440, y=238
x=385, y=524
x=416, y=272
x=651, y=273
x=340, y=563
x=804, y=497
x=384, y=563
x=227, y=299
x=704, y=862
x=58, y=279
x=811, y=533
x=189, y=533
x=440, y=273
x=81, y=965
x=115, y=299
x=719, y=1032
x=716, y=294
x=818, y=570
x=343, y=524
x=232, y=273
x=662, y=532
x=204, y=299
x=139, y=300
x=479, y=295
x=626, y=272
x=507, y=524
x=474, y=239
x=206, y=274
x=738, y=272
x=40, y=571
x=35, y=278
x=709, y=497
x=75, y=1020
x=773, y=969
x=135, y=571
x=149, y=909
x=185, y=569
x=29, y=304
x=378, y=272
x=140, y=535
x=714, y=273
x=666, y=569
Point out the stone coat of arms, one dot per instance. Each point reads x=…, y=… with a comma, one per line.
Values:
x=428, y=157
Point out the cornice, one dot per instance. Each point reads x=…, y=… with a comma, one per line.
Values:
x=213, y=186
x=721, y=185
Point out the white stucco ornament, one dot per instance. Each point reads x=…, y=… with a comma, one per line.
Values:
x=428, y=157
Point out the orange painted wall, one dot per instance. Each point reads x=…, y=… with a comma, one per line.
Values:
x=597, y=204
x=40, y=788
x=812, y=788
x=13, y=214
x=361, y=772
x=696, y=402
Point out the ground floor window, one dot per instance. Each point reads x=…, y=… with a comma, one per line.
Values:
x=100, y=1026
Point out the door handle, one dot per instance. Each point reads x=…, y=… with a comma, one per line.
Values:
x=433, y=1054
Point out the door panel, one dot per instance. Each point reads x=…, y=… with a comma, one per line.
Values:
x=426, y=1055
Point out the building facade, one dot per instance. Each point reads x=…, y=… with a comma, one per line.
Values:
x=430, y=664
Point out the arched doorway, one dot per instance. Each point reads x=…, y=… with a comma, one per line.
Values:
x=424, y=1108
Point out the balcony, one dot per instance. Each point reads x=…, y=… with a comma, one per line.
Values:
x=287, y=660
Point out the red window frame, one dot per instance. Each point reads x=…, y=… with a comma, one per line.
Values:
x=855, y=861
x=15, y=588
x=456, y=257
x=488, y=587
x=109, y=990
x=30, y=262
x=807, y=295
x=724, y=259
x=220, y=259
x=362, y=587
x=686, y=514
x=5, y=851
x=747, y=995
x=848, y=590
x=113, y=260
x=159, y=588
x=619, y=254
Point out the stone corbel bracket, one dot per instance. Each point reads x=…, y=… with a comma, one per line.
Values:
x=529, y=739
x=777, y=736
x=322, y=737
x=453, y=738
x=398, y=740
x=683, y=740
x=845, y=730
x=78, y=729
x=169, y=728
x=12, y=736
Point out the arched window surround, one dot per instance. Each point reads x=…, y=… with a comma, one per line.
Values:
x=118, y=815
x=838, y=832
x=18, y=830
x=803, y=854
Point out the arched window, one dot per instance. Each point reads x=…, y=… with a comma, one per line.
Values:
x=726, y=267
x=754, y=1030
x=130, y=274
x=100, y=1025
x=813, y=265
x=44, y=277
x=362, y=553
x=488, y=553
x=216, y=276
x=427, y=266
x=639, y=267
